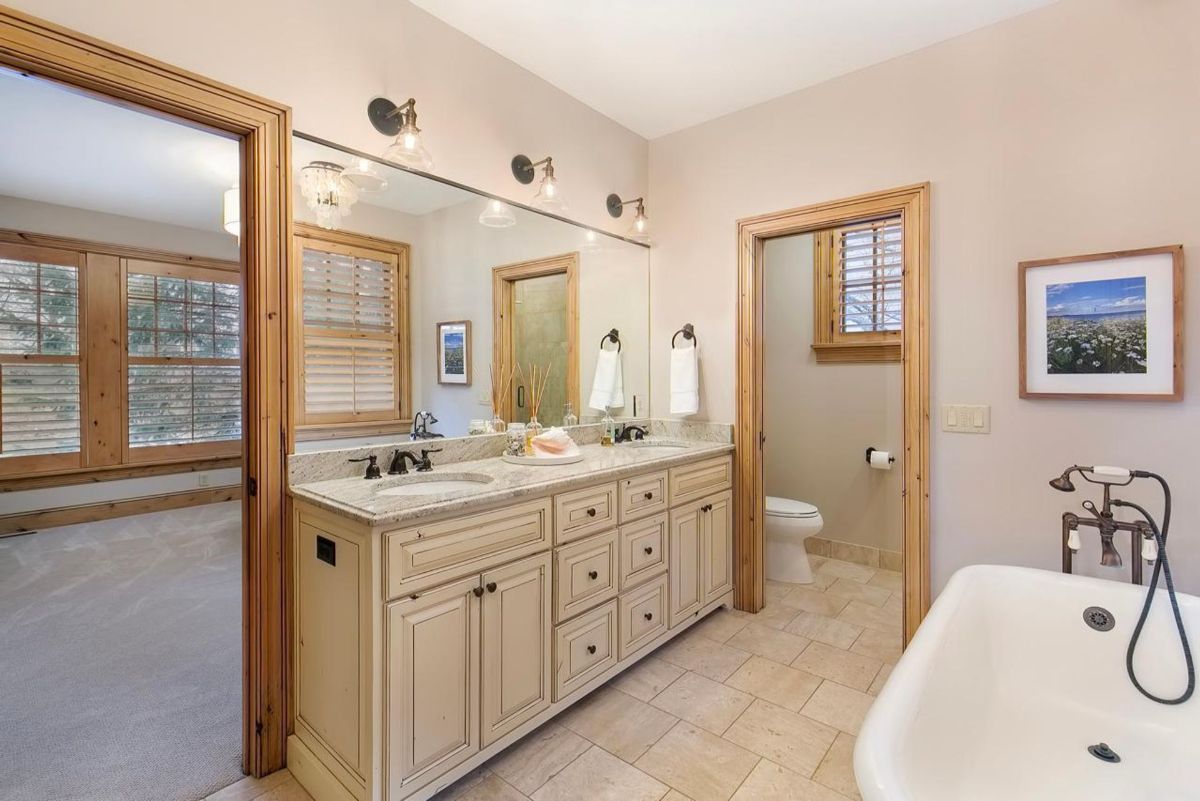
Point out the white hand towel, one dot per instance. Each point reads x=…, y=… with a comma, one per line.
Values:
x=608, y=388
x=685, y=381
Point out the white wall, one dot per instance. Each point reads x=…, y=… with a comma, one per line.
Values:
x=1068, y=130
x=822, y=417
x=328, y=59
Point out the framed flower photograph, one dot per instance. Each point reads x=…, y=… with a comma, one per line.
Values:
x=454, y=352
x=1103, y=326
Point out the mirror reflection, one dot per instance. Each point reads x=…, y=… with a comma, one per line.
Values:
x=430, y=310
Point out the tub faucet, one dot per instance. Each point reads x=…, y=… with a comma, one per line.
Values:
x=420, y=426
x=1102, y=519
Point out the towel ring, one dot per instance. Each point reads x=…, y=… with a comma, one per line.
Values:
x=689, y=332
x=611, y=336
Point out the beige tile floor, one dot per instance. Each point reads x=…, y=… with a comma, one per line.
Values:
x=747, y=707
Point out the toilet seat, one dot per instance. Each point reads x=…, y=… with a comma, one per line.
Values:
x=786, y=507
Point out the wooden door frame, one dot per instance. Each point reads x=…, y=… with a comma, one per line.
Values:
x=54, y=53
x=503, y=278
x=912, y=203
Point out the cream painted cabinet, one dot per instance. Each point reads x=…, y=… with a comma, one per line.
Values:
x=516, y=645
x=716, y=537
x=701, y=554
x=684, y=550
x=432, y=680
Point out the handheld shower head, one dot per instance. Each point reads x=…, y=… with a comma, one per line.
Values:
x=1063, y=482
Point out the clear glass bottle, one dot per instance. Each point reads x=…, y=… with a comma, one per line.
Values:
x=608, y=434
x=496, y=424
x=569, y=416
x=515, y=446
x=532, y=429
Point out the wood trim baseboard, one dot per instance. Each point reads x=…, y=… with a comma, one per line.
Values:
x=98, y=475
x=30, y=522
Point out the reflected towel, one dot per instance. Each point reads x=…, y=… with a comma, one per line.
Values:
x=608, y=388
x=685, y=381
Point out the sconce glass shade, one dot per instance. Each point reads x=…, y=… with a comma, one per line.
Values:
x=408, y=149
x=549, y=196
x=231, y=211
x=591, y=242
x=327, y=193
x=640, y=230
x=497, y=214
x=365, y=176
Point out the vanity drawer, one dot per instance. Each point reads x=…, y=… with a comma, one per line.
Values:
x=429, y=554
x=642, y=616
x=584, y=648
x=585, y=574
x=694, y=481
x=583, y=512
x=643, y=495
x=643, y=550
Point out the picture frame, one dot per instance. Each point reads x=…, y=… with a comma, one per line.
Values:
x=1103, y=326
x=454, y=352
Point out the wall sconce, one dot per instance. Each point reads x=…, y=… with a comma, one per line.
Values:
x=497, y=214
x=640, y=230
x=549, y=196
x=328, y=194
x=231, y=211
x=400, y=122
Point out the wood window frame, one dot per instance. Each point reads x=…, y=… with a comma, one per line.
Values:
x=332, y=426
x=223, y=272
x=263, y=128
x=912, y=204
x=503, y=279
x=830, y=344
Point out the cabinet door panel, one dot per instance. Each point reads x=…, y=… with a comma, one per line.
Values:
x=516, y=645
x=684, y=555
x=717, y=555
x=432, y=683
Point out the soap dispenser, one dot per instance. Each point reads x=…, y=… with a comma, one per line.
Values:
x=609, y=432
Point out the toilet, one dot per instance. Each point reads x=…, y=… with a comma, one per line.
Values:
x=789, y=524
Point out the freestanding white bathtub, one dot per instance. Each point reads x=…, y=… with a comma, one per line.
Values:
x=1004, y=687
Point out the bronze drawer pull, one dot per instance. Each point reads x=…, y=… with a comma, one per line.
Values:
x=478, y=591
x=591, y=512
x=649, y=616
x=591, y=649
x=649, y=550
x=649, y=496
x=491, y=586
x=593, y=575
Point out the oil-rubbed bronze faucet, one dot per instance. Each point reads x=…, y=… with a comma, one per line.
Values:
x=1102, y=519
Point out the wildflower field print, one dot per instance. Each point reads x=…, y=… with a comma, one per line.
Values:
x=1096, y=326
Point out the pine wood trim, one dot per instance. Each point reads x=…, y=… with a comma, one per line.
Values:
x=99, y=475
x=1176, y=254
x=912, y=203
x=829, y=345
x=64, y=243
x=29, y=522
x=503, y=278
x=50, y=51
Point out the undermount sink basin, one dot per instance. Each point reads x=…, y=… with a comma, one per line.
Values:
x=437, y=485
x=657, y=443
x=1004, y=688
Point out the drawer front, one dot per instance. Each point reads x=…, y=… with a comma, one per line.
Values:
x=583, y=512
x=584, y=648
x=585, y=574
x=694, y=481
x=643, y=550
x=426, y=555
x=642, y=496
x=642, y=616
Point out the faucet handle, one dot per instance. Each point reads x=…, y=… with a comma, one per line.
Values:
x=372, y=466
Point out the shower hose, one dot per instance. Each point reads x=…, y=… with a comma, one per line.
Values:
x=1162, y=566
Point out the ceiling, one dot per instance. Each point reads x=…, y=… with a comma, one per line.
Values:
x=658, y=66
x=61, y=147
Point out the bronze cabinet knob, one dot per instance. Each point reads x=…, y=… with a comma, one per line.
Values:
x=591, y=512
x=649, y=496
x=649, y=550
x=593, y=575
x=478, y=591
x=491, y=586
x=591, y=649
x=649, y=616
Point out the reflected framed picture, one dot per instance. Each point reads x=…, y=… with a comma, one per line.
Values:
x=1103, y=326
x=454, y=352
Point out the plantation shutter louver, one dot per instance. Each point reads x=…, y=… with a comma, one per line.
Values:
x=352, y=345
x=869, y=263
x=40, y=407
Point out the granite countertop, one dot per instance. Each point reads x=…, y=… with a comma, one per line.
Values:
x=360, y=500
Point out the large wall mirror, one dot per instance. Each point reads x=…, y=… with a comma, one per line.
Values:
x=416, y=293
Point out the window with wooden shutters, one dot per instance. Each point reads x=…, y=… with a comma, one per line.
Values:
x=858, y=306
x=184, y=381
x=40, y=394
x=354, y=368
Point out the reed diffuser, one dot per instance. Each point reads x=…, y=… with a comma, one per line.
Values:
x=537, y=391
x=501, y=382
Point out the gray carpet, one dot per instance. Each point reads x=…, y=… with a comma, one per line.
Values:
x=120, y=658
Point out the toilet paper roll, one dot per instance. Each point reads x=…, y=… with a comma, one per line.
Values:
x=881, y=460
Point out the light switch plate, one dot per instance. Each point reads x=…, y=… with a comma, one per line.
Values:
x=965, y=419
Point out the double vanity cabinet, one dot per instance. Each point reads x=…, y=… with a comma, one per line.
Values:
x=423, y=647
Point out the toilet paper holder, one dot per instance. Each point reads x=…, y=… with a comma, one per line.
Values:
x=891, y=459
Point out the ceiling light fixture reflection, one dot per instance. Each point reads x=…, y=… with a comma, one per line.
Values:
x=549, y=195
x=231, y=211
x=365, y=176
x=329, y=195
x=497, y=214
x=401, y=122
x=640, y=230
